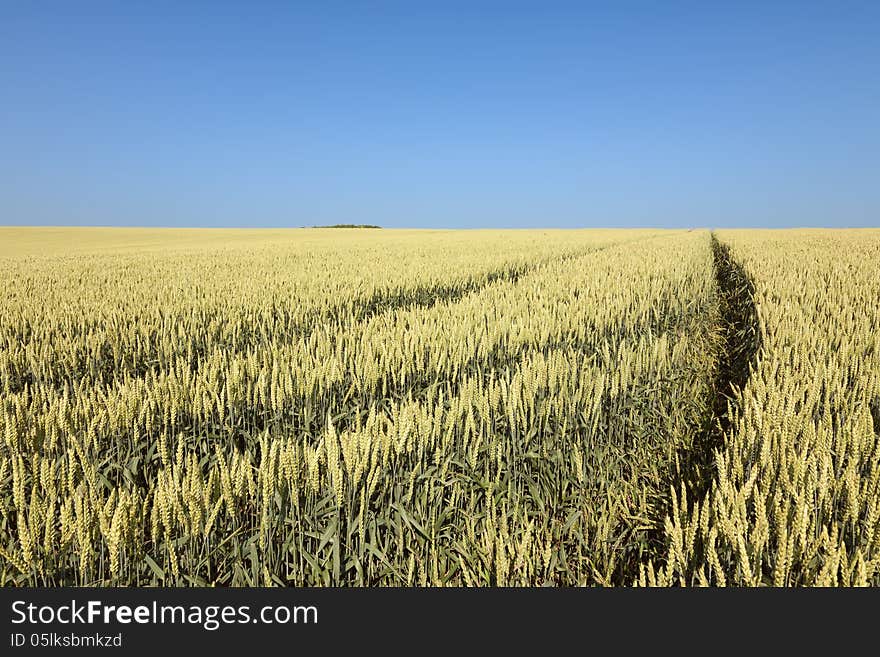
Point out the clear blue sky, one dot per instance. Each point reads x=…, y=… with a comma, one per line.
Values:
x=440, y=114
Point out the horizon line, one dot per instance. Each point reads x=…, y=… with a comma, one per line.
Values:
x=375, y=227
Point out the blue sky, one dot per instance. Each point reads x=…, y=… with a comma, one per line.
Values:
x=444, y=114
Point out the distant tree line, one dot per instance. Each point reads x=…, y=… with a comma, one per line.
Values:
x=348, y=226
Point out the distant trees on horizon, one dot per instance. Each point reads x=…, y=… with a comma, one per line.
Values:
x=349, y=226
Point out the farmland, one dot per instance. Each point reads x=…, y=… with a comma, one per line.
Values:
x=422, y=408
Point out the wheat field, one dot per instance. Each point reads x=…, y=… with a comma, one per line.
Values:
x=355, y=407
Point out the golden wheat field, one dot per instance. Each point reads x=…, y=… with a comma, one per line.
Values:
x=356, y=407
